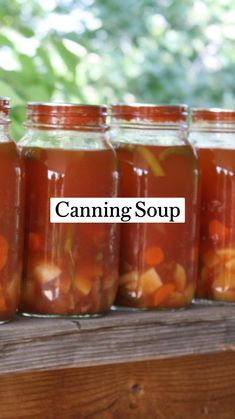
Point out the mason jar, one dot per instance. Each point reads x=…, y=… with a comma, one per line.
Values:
x=70, y=269
x=11, y=217
x=212, y=131
x=158, y=261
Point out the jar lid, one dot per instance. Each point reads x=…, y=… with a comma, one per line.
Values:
x=150, y=112
x=212, y=114
x=65, y=116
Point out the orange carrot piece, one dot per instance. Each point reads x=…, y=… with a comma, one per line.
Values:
x=153, y=256
x=176, y=300
x=163, y=293
x=3, y=251
x=217, y=230
x=35, y=241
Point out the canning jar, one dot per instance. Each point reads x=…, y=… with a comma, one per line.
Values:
x=11, y=217
x=69, y=268
x=213, y=133
x=158, y=261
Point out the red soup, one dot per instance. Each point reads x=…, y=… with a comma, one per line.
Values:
x=70, y=269
x=11, y=217
x=213, y=133
x=158, y=262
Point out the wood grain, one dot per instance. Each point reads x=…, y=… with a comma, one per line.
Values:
x=193, y=387
x=42, y=344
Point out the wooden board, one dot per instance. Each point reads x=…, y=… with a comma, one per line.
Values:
x=194, y=387
x=42, y=344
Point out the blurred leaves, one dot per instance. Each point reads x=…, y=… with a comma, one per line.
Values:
x=108, y=51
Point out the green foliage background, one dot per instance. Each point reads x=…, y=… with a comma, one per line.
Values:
x=162, y=51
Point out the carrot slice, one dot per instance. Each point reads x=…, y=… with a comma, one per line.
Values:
x=176, y=300
x=163, y=293
x=153, y=256
x=217, y=230
x=3, y=251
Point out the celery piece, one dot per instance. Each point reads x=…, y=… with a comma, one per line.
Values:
x=183, y=151
x=152, y=161
x=68, y=248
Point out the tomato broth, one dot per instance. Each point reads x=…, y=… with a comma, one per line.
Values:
x=158, y=262
x=69, y=268
x=11, y=234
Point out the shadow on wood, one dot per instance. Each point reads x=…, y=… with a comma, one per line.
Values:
x=189, y=387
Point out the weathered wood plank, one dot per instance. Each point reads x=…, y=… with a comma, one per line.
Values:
x=41, y=344
x=194, y=387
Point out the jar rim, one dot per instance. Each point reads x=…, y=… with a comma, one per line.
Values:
x=65, y=115
x=212, y=115
x=60, y=106
x=150, y=112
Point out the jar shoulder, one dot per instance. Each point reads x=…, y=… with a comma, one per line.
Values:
x=64, y=139
x=216, y=140
x=161, y=137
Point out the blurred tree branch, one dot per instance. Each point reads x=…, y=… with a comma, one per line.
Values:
x=110, y=50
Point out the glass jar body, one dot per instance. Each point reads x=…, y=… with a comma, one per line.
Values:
x=11, y=225
x=158, y=262
x=216, y=155
x=69, y=269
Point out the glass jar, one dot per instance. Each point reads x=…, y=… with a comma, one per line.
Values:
x=69, y=269
x=212, y=131
x=158, y=262
x=11, y=217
